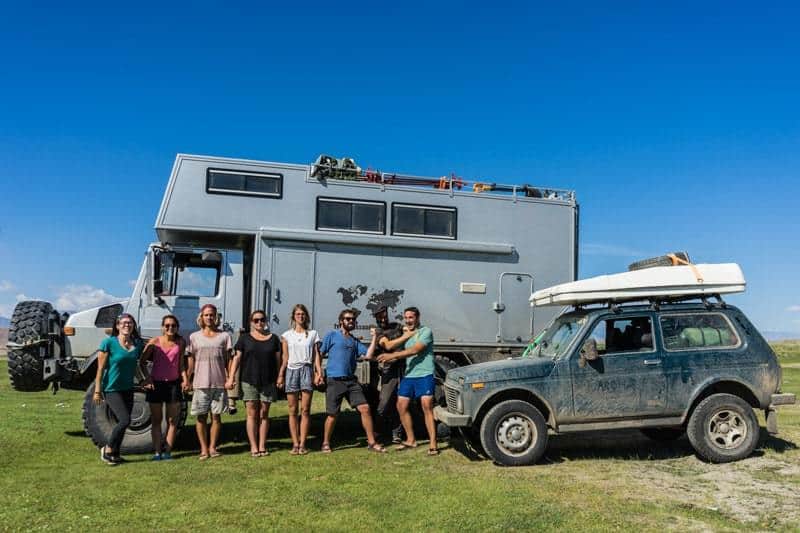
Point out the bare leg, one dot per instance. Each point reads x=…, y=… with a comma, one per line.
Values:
x=430, y=422
x=156, y=416
x=202, y=429
x=173, y=412
x=305, y=416
x=405, y=419
x=263, y=427
x=366, y=422
x=291, y=397
x=253, y=422
x=330, y=422
x=216, y=430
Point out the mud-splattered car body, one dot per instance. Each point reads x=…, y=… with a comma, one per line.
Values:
x=606, y=368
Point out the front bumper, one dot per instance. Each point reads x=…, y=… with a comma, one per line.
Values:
x=451, y=419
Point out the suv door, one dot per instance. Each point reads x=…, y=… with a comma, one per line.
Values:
x=627, y=379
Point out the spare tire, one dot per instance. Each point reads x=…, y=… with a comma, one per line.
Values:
x=98, y=421
x=661, y=260
x=29, y=323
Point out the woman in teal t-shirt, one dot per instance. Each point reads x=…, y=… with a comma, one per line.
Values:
x=116, y=366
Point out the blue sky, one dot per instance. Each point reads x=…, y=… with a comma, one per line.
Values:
x=677, y=123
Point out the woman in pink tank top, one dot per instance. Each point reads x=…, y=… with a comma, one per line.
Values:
x=166, y=384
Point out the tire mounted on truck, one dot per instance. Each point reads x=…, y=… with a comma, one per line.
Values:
x=29, y=334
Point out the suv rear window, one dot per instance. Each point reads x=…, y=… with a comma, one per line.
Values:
x=697, y=330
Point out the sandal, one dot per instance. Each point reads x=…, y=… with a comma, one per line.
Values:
x=326, y=448
x=403, y=446
x=302, y=451
x=295, y=450
x=263, y=453
x=433, y=452
x=215, y=454
x=376, y=447
x=255, y=454
x=203, y=456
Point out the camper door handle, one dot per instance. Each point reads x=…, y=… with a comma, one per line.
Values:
x=652, y=362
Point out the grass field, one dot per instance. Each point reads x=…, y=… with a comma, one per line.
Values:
x=53, y=479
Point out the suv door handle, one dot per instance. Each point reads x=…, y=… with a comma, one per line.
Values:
x=652, y=362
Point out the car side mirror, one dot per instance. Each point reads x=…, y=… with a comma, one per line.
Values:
x=588, y=352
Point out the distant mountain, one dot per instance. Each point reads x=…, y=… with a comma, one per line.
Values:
x=4, y=322
x=780, y=335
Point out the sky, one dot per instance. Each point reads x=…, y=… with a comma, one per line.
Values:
x=676, y=123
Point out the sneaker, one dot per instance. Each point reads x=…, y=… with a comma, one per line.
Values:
x=156, y=457
x=232, y=407
x=106, y=458
x=397, y=437
x=166, y=456
x=118, y=460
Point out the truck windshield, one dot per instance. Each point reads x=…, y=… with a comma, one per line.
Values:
x=554, y=341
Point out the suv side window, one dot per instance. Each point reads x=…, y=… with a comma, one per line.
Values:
x=619, y=335
x=698, y=330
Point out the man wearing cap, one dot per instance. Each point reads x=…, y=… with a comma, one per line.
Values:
x=390, y=373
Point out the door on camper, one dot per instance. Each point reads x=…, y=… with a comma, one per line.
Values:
x=291, y=282
x=515, y=314
x=184, y=280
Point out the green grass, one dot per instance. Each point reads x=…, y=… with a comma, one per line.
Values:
x=53, y=479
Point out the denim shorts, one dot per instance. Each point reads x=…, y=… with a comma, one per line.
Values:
x=264, y=393
x=416, y=387
x=298, y=379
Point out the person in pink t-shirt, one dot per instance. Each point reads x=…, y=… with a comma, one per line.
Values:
x=166, y=383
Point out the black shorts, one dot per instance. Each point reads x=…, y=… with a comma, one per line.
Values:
x=339, y=388
x=165, y=392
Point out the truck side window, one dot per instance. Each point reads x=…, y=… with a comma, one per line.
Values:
x=187, y=274
x=222, y=181
x=359, y=216
x=697, y=330
x=634, y=334
x=429, y=221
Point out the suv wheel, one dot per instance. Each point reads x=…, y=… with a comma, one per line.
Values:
x=723, y=428
x=514, y=433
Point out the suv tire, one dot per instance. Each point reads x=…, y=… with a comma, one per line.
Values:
x=514, y=433
x=723, y=428
x=30, y=322
x=98, y=421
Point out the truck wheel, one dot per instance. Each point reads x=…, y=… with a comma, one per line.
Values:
x=442, y=364
x=661, y=260
x=723, y=428
x=663, y=434
x=30, y=322
x=514, y=433
x=98, y=421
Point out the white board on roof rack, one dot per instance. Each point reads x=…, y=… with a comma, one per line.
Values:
x=658, y=282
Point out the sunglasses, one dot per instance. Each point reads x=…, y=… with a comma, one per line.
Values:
x=349, y=319
x=257, y=320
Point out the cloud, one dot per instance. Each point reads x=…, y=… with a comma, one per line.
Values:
x=611, y=250
x=6, y=285
x=793, y=308
x=7, y=309
x=78, y=297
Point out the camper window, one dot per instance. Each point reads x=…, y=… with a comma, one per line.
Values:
x=188, y=274
x=351, y=215
x=702, y=330
x=429, y=221
x=221, y=181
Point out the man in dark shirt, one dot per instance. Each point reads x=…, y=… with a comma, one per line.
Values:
x=390, y=374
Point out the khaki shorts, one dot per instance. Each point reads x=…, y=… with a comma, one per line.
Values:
x=209, y=400
x=264, y=393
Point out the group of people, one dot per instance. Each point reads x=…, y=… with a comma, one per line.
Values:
x=260, y=363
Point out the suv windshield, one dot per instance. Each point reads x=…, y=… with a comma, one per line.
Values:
x=554, y=341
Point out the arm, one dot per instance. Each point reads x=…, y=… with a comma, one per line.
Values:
x=402, y=354
x=102, y=360
x=185, y=384
x=390, y=345
x=147, y=355
x=372, y=344
x=233, y=366
x=317, y=365
x=284, y=360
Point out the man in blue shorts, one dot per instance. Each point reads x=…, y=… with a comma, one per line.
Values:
x=418, y=382
x=343, y=351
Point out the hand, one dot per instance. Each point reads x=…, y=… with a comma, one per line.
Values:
x=385, y=358
x=373, y=331
x=97, y=397
x=279, y=383
x=148, y=384
x=229, y=384
x=318, y=379
x=185, y=385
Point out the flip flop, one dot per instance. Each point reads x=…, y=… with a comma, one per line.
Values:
x=433, y=452
x=215, y=454
x=302, y=451
x=376, y=447
x=203, y=457
x=263, y=453
x=255, y=454
x=295, y=450
x=403, y=446
x=326, y=448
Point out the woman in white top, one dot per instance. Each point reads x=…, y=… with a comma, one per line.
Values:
x=301, y=370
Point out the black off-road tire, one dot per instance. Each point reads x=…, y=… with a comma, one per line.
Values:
x=442, y=364
x=98, y=421
x=661, y=260
x=514, y=433
x=663, y=434
x=29, y=322
x=723, y=428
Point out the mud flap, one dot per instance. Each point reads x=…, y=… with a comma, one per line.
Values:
x=772, y=421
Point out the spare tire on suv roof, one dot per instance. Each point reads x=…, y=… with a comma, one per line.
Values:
x=661, y=260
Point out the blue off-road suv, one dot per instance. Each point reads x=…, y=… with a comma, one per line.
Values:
x=666, y=369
